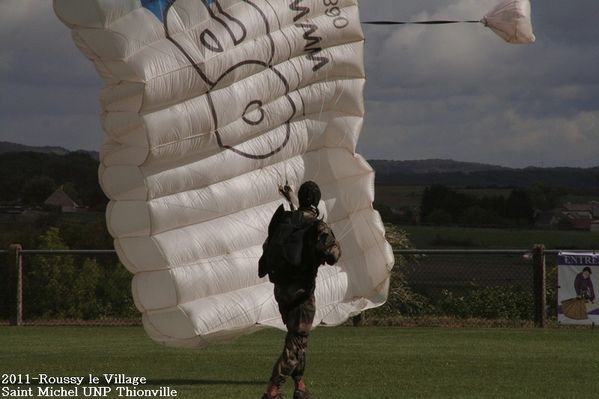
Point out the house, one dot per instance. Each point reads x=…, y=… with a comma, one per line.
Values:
x=62, y=200
x=592, y=207
x=577, y=207
x=578, y=220
x=546, y=219
x=581, y=216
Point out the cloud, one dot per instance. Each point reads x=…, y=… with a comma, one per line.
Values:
x=14, y=12
x=50, y=90
x=486, y=133
x=460, y=92
x=454, y=91
x=41, y=46
x=6, y=62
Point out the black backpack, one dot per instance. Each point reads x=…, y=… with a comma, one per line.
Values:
x=282, y=256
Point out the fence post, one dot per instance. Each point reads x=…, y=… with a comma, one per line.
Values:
x=540, y=287
x=15, y=285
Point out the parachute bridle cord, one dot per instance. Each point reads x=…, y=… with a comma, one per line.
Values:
x=510, y=20
x=438, y=22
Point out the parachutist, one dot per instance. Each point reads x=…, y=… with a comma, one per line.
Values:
x=298, y=244
x=207, y=103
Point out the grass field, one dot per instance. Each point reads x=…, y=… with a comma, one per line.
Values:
x=466, y=237
x=396, y=196
x=344, y=362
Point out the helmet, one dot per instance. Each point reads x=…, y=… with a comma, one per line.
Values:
x=309, y=195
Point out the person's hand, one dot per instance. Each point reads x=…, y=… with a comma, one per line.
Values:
x=284, y=190
x=287, y=192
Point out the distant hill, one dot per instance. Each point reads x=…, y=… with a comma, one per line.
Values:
x=6, y=147
x=454, y=173
x=428, y=166
x=29, y=177
x=424, y=172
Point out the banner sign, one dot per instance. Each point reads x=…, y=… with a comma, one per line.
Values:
x=578, y=281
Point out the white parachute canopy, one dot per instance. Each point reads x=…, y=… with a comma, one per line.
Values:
x=511, y=20
x=208, y=106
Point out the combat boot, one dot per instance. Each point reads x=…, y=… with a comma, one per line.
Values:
x=273, y=391
x=301, y=392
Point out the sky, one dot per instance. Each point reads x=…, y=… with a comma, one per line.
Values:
x=451, y=92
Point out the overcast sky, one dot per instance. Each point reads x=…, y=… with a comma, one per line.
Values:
x=455, y=91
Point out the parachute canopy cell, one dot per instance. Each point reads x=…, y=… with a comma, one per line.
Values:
x=511, y=20
x=208, y=106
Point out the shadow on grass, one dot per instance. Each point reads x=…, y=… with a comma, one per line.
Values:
x=181, y=381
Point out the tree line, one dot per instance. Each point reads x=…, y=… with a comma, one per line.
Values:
x=29, y=178
x=71, y=287
x=441, y=205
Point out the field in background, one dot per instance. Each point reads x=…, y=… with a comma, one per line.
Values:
x=467, y=237
x=398, y=196
x=370, y=362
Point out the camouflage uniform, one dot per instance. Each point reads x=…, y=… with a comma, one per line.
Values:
x=298, y=315
x=295, y=297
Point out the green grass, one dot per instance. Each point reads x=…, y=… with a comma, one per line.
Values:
x=463, y=237
x=370, y=362
x=396, y=196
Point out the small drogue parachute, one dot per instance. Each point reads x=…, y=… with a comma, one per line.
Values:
x=209, y=105
x=510, y=20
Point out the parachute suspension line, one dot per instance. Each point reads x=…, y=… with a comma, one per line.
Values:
x=286, y=174
x=438, y=22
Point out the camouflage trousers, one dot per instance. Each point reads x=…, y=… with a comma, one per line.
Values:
x=297, y=307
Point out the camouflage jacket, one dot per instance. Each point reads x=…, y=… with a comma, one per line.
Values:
x=319, y=247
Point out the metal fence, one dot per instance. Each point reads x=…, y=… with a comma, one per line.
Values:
x=482, y=287
x=90, y=287
x=62, y=287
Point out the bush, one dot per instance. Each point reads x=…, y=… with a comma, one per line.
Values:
x=512, y=303
x=59, y=287
x=86, y=302
x=402, y=300
x=47, y=278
